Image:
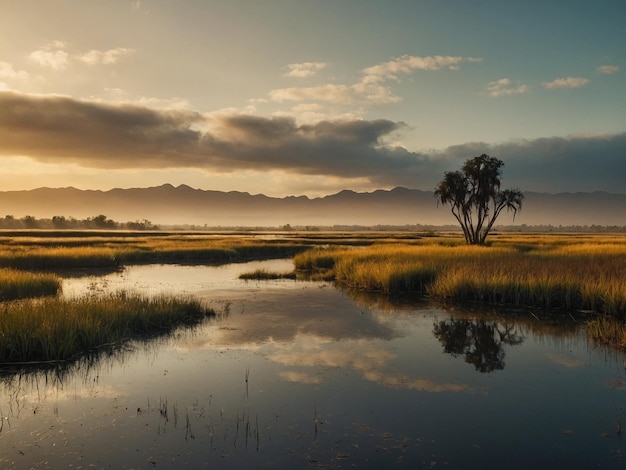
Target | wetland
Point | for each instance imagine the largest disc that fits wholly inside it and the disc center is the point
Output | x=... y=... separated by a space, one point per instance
x=300 y=373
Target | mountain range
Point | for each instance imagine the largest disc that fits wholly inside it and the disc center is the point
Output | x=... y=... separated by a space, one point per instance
x=183 y=205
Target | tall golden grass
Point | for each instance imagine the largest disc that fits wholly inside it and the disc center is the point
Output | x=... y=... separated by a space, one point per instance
x=607 y=330
x=16 y=284
x=92 y=252
x=578 y=273
x=53 y=329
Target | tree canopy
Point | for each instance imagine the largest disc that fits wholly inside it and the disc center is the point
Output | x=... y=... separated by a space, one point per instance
x=475 y=197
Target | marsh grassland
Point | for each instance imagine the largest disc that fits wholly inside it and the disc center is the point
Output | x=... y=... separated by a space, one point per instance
x=567 y=273
x=572 y=273
x=83 y=251
x=52 y=329
x=16 y=284
x=577 y=273
x=57 y=330
x=127 y=365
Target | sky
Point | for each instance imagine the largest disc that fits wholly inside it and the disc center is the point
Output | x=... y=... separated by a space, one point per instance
x=310 y=97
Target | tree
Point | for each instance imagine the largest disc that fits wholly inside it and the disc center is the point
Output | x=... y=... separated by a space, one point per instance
x=475 y=196
x=59 y=221
x=481 y=342
x=29 y=221
x=101 y=221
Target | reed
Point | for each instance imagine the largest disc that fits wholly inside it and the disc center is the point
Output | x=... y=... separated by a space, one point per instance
x=53 y=329
x=16 y=284
x=26 y=257
x=265 y=275
x=579 y=273
x=607 y=330
x=91 y=252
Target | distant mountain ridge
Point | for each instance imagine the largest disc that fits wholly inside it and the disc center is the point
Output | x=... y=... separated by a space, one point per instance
x=169 y=205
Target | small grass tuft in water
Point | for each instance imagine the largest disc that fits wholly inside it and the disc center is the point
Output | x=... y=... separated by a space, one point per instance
x=265 y=275
x=54 y=329
x=607 y=330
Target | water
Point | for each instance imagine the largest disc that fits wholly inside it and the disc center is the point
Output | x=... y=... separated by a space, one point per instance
x=303 y=375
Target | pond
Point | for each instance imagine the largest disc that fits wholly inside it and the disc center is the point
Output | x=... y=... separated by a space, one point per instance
x=296 y=374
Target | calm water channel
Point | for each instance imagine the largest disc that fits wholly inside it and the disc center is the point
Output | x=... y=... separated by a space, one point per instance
x=304 y=375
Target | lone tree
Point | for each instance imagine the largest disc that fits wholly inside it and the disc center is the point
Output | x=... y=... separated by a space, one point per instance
x=475 y=197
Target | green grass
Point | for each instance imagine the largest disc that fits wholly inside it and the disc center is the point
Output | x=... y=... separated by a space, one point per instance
x=54 y=329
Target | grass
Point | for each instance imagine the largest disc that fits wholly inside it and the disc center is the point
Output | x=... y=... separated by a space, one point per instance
x=85 y=251
x=571 y=273
x=607 y=330
x=51 y=329
x=577 y=273
x=16 y=284
x=265 y=275
x=54 y=329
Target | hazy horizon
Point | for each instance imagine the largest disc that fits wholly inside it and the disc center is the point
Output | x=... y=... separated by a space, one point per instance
x=169 y=205
x=308 y=98
x=286 y=196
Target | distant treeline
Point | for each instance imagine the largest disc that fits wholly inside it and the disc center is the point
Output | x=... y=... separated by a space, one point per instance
x=418 y=228
x=101 y=222
x=59 y=222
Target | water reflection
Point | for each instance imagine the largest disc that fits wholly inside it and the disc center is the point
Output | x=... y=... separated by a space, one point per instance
x=300 y=374
x=481 y=342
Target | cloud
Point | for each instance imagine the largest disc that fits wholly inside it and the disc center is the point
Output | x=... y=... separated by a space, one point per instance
x=55 y=56
x=370 y=361
x=372 y=94
x=569 y=82
x=370 y=90
x=504 y=87
x=51 y=55
x=111 y=56
x=330 y=93
x=407 y=64
x=7 y=72
x=556 y=164
x=61 y=129
x=56 y=129
x=118 y=95
x=566 y=361
x=304 y=69
x=608 y=69
x=11 y=78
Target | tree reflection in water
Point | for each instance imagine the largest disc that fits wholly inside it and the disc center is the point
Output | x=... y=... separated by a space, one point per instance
x=480 y=341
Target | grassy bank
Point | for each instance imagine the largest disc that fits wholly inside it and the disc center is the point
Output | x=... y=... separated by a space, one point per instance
x=16 y=284
x=573 y=273
x=53 y=329
x=98 y=252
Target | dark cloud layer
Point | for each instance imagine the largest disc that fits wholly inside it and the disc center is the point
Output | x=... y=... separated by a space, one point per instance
x=60 y=129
